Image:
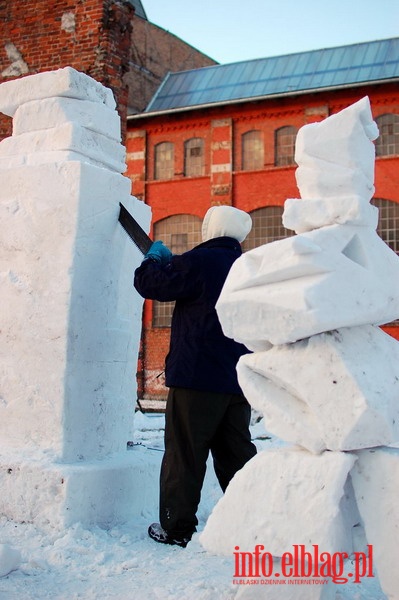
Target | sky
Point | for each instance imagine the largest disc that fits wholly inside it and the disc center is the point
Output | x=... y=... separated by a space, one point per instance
x=235 y=30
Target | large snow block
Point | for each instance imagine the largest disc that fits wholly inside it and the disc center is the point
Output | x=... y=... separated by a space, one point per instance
x=375 y=478
x=319 y=394
x=37 y=147
x=332 y=277
x=326 y=181
x=337 y=155
x=305 y=215
x=280 y=498
x=70 y=318
x=62 y=82
x=100 y=492
x=53 y=112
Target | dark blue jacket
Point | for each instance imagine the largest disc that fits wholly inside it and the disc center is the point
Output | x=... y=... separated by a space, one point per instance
x=200 y=357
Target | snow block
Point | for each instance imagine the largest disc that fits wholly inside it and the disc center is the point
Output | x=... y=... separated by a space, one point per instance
x=328 y=152
x=289 y=482
x=305 y=215
x=36 y=488
x=53 y=112
x=65 y=82
x=68 y=309
x=68 y=137
x=326 y=181
x=375 y=478
x=338 y=403
x=332 y=277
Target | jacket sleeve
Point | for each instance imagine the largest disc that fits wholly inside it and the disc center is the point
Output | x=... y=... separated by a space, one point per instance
x=179 y=279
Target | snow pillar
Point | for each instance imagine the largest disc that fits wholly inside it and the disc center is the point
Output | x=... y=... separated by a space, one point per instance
x=70 y=318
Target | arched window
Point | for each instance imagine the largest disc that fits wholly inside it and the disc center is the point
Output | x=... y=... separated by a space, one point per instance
x=194 y=159
x=179 y=233
x=252 y=151
x=388 y=141
x=284 y=146
x=164 y=161
x=267 y=227
x=388 y=222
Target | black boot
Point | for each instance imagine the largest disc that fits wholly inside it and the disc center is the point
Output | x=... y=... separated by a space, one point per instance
x=157 y=533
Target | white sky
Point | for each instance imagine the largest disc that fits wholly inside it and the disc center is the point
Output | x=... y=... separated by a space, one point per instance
x=235 y=30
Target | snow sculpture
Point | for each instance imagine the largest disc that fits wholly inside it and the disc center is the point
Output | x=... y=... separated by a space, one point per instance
x=322 y=372
x=70 y=319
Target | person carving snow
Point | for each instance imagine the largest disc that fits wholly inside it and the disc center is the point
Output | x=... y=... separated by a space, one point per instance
x=206 y=410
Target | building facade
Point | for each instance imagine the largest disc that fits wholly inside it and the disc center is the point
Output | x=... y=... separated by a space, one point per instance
x=110 y=40
x=182 y=159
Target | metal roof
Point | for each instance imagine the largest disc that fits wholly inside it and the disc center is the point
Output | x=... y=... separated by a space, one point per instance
x=279 y=75
x=139 y=9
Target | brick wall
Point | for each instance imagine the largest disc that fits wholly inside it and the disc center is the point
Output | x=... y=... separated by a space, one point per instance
x=93 y=36
x=154 y=52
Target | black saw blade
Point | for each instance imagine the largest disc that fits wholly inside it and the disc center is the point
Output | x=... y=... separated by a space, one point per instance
x=134 y=230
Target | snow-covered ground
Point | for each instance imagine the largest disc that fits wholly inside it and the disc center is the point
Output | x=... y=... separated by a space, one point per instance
x=123 y=563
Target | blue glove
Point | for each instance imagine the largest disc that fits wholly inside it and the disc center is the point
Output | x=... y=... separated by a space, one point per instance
x=159 y=252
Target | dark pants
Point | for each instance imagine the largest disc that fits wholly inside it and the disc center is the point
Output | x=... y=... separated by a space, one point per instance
x=196 y=423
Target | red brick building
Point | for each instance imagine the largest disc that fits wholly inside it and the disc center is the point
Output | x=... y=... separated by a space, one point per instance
x=110 y=40
x=226 y=134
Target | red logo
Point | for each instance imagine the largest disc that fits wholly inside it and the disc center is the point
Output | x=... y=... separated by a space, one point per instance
x=301 y=566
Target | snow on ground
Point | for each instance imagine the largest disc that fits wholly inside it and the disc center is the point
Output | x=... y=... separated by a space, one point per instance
x=123 y=563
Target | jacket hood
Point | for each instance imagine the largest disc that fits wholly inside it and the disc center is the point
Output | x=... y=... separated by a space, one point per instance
x=227 y=221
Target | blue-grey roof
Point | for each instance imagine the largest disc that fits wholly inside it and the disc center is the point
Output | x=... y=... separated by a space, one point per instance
x=279 y=75
x=139 y=9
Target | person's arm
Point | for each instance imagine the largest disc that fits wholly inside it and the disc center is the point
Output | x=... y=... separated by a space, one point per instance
x=174 y=280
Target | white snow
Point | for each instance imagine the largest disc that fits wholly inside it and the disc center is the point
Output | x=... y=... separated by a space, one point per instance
x=123 y=562
x=335 y=276
x=375 y=482
x=10 y=559
x=65 y=82
x=307 y=409
x=36 y=147
x=288 y=482
x=311 y=214
x=52 y=112
x=336 y=156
